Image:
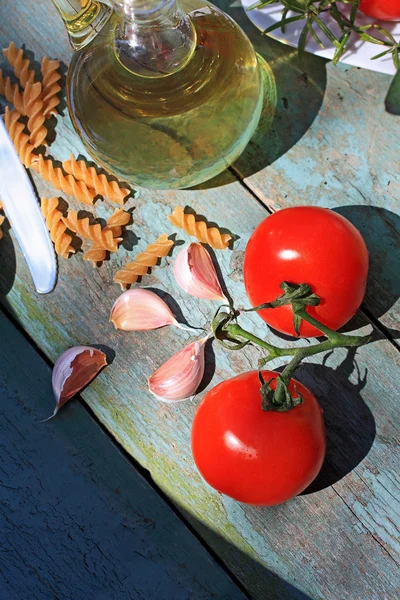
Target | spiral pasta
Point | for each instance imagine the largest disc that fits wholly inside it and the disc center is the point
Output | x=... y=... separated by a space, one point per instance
x=89 y=175
x=51 y=87
x=20 y=140
x=33 y=108
x=61 y=240
x=100 y=237
x=11 y=92
x=115 y=223
x=15 y=57
x=143 y=261
x=65 y=183
x=199 y=229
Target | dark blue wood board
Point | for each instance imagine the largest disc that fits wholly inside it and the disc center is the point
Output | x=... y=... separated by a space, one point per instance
x=76 y=519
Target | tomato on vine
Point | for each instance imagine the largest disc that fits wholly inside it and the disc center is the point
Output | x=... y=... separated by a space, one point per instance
x=261 y=457
x=312 y=245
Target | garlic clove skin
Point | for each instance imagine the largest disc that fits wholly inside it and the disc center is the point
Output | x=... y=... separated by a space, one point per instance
x=73 y=370
x=139 y=309
x=179 y=377
x=195 y=273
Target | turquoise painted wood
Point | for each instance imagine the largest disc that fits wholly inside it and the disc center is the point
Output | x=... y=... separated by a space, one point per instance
x=77 y=519
x=341 y=539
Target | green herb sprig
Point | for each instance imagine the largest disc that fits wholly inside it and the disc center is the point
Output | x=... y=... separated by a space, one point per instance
x=310 y=11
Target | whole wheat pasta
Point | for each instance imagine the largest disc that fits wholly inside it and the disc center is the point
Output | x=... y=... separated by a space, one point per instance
x=89 y=175
x=33 y=108
x=51 y=87
x=199 y=229
x=21 y=141
x=15 y=57
x=143 y=261
x=11 y=93
x=115 y=223
x=99 y=237
x=65 y=183
x=61 y=240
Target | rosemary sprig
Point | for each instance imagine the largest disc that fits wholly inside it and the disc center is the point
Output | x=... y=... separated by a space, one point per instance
x=310 y=12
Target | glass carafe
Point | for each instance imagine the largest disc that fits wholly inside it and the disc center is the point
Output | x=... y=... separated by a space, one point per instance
x=163 y=94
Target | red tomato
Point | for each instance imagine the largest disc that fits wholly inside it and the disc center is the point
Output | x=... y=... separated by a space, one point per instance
x=253 y=456
x=307 y=244
x=386 y=10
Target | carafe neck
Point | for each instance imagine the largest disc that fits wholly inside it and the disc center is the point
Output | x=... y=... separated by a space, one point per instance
x=83 y=19
x=155 y=38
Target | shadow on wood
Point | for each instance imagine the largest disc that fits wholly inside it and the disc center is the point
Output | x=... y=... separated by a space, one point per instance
x=380 y=229
x=300 y=91
x=350 y=425
x=293 y=95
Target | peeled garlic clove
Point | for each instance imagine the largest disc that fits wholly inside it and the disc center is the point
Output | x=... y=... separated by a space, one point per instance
x=195 y=273
x=139 y=310
x=179 y=377
x=73 y=370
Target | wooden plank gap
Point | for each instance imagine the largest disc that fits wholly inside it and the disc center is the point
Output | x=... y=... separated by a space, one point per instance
x=248 y=189
x=146 y=474
x=384 y=330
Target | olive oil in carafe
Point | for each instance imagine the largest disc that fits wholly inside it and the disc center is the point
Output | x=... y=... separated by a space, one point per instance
x=168 y=131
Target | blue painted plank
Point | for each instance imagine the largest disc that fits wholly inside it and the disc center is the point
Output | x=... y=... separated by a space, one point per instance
x=76 y=519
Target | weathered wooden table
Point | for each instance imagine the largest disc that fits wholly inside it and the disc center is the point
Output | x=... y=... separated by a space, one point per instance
x=330 y=144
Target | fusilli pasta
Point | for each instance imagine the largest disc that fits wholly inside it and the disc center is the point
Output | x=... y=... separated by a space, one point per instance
x=100 y=237
x=199 y=229
x=51 y=87
x=115 y=223
x=21 y=140
x=89 y=175
x=143 y=261
x=15 y=57
x=65 y=183
x=33 y=108
x=11 y=92
x=61 y=240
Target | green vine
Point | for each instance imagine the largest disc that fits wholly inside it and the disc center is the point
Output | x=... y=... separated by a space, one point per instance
x=275 y=393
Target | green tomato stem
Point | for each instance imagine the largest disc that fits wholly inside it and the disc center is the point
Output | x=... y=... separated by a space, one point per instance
x=335 y=340
x=235 y=329
x=299 y=296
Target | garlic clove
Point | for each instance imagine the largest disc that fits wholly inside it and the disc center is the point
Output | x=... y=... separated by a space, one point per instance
x=195 y=273
x=179 y=377
x=139 y=309
x=73 y=370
